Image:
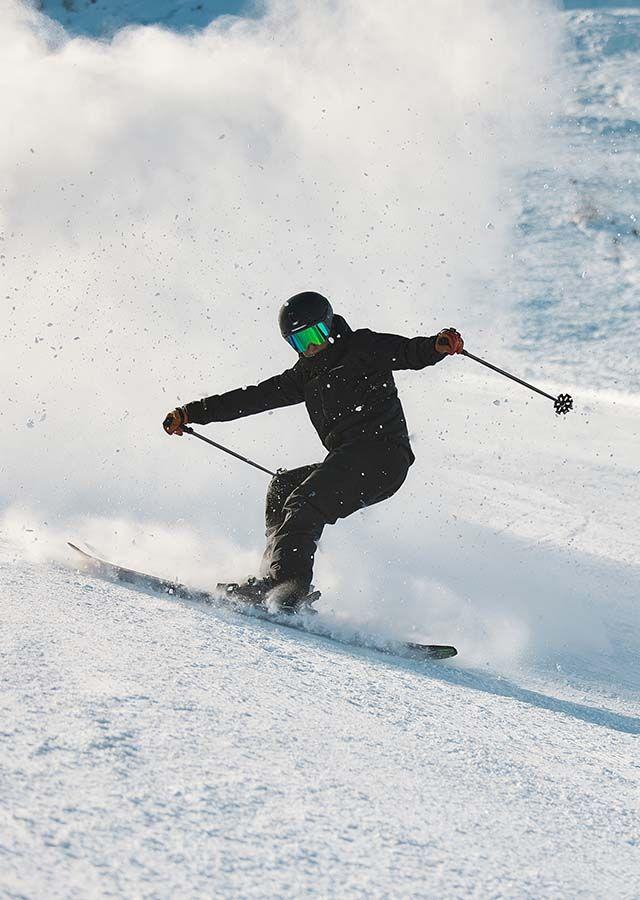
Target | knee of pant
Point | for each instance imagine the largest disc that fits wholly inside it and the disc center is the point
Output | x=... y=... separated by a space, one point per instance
x=299 y=511
x=283 y=484
x=277 y=492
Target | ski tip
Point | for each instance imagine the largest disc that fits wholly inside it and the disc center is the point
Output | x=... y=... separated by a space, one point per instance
x=79 y=549
x=444 y=652
x=433 y=651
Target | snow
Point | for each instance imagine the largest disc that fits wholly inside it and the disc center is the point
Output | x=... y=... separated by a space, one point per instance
x=157 y=748
x=99 y=18
x=161 y=190
x=580 y=246
x=161 y=748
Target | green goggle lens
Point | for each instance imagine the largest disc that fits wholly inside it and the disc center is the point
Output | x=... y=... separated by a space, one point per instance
x=303 y=339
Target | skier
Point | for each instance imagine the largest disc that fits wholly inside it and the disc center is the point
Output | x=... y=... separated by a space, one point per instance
x=345 y=378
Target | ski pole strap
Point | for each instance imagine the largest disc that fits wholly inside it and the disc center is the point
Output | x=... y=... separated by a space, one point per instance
x=562 y=403
x=244 y=459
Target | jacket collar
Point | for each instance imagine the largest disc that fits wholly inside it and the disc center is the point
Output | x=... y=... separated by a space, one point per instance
x=338 y=346
x=340 y=329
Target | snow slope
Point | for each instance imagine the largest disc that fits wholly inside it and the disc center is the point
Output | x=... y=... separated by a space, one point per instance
x=160 y=193
x=100 y=18
x=154 y=748
x=579 y=247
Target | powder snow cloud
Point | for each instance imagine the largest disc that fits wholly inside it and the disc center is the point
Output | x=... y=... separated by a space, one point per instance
x=163 y=193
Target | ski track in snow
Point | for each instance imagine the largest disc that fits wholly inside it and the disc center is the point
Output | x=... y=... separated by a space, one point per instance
x=157 y=748
x=579 y=250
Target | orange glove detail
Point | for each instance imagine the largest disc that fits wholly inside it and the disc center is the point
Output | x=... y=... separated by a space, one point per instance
x=175 y=421
x=449 y=341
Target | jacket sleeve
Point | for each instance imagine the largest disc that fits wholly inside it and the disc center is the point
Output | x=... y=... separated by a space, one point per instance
x=281 y=390
x=392 y=351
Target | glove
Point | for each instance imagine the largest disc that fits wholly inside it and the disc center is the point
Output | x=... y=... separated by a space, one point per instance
x=449 y=341
x=175 y=421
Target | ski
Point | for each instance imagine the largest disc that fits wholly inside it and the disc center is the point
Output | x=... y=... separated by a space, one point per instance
x=301 y=621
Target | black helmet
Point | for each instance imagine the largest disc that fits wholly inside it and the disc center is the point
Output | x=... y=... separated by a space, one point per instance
x=304 y=310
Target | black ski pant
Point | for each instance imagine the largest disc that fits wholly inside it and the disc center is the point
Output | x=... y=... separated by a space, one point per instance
x=300 y=502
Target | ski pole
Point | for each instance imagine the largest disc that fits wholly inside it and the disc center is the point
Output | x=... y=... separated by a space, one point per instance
x=244 y=459
x=562 y=403
x=188 y=430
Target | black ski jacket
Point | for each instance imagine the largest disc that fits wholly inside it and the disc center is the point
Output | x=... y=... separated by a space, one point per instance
x=348 y=389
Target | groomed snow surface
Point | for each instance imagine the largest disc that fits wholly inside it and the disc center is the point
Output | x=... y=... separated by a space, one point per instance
x=154 y=748
x=157 y=748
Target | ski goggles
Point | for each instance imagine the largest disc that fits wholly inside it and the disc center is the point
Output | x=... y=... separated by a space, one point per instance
x=315 y=334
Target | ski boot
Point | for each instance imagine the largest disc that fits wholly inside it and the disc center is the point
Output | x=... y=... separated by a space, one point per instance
x=289 y=597
x=285 y=597
x=253 y=591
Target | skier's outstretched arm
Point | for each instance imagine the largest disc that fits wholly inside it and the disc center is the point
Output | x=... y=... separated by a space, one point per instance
x=281 y=390
x=393 y=351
